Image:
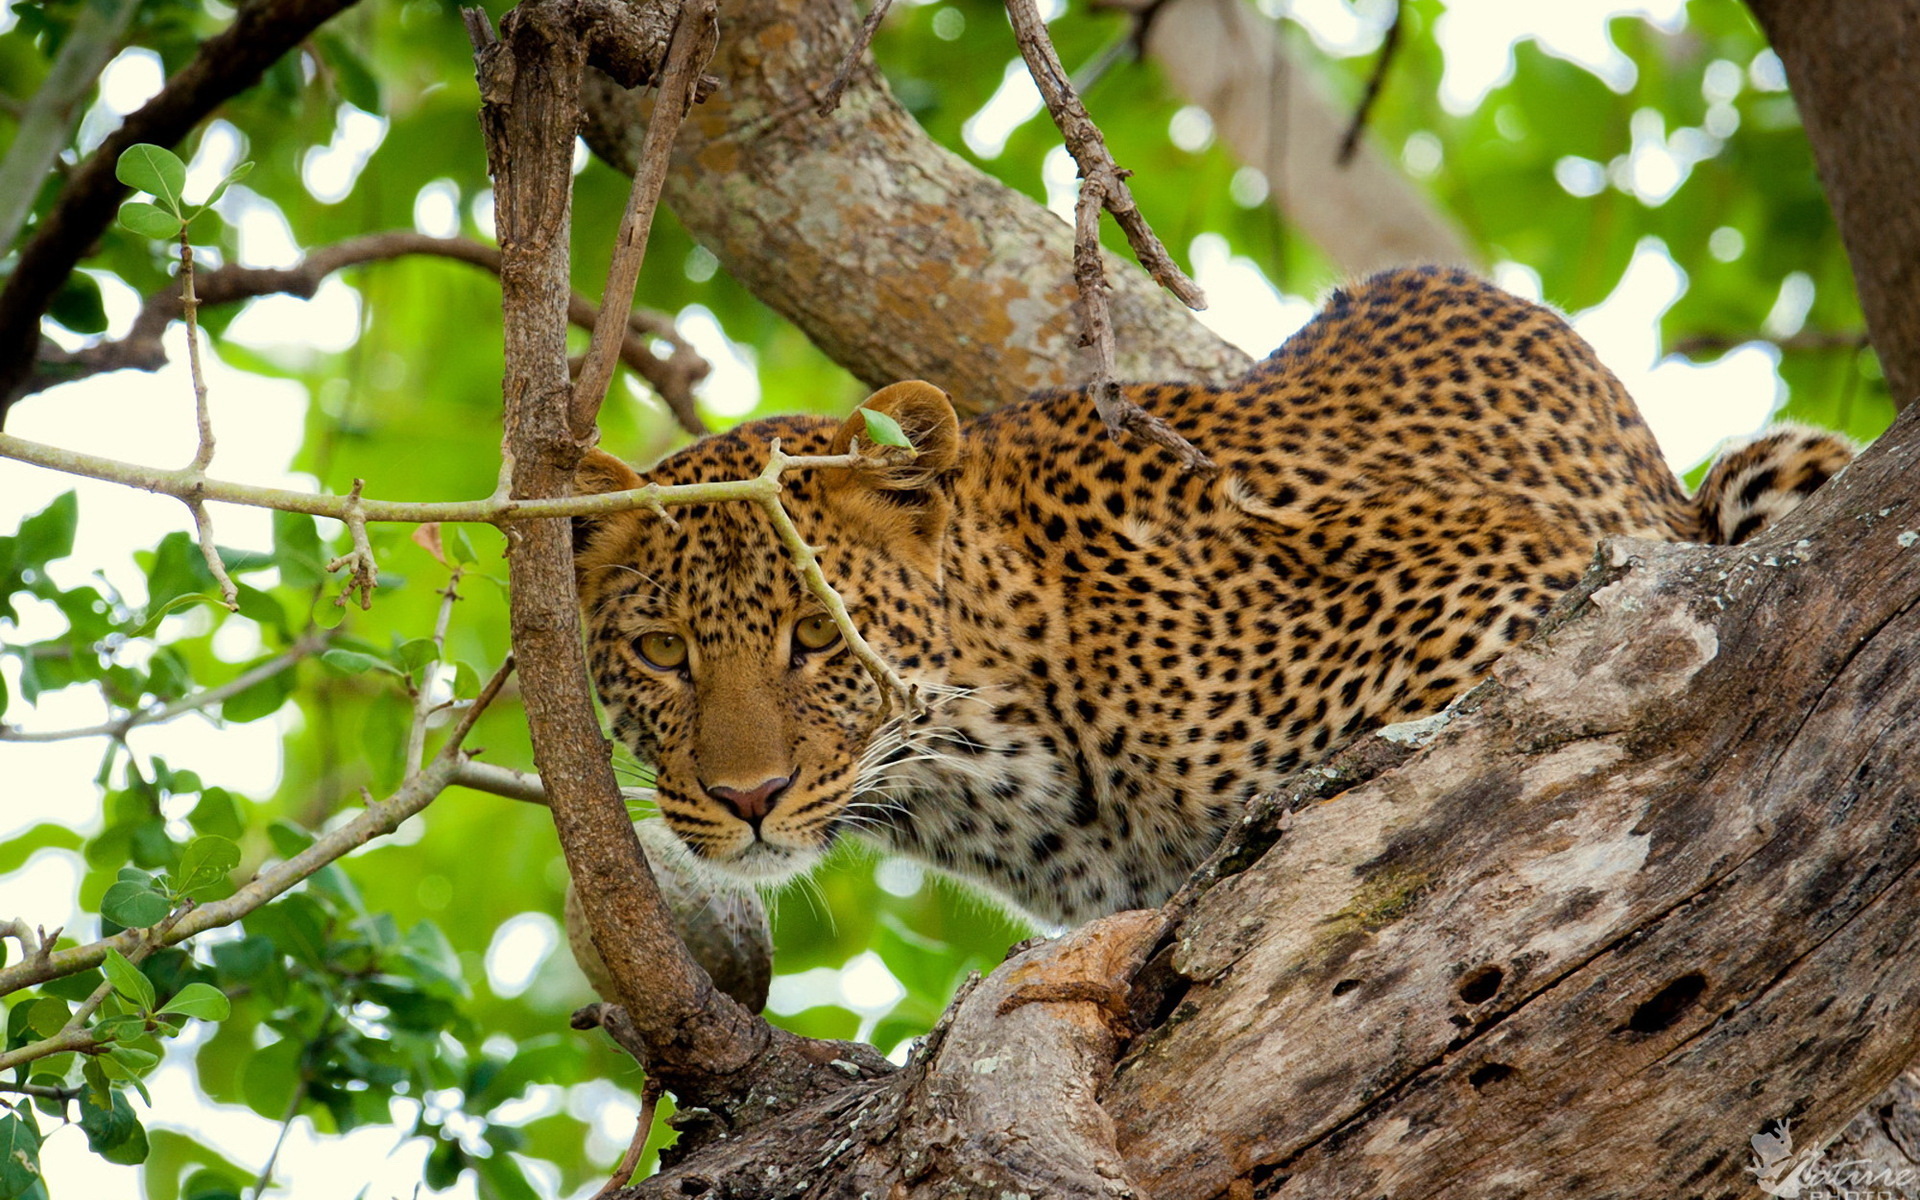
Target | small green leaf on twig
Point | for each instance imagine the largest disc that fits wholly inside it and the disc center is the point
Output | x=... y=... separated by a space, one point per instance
x=352 y=662
x=134 y=905
x=154 y=169
x=201 y=1000
x=149 y=220
x=234 y=176
x=883 y=430
x=206 y=862
x=128 y=980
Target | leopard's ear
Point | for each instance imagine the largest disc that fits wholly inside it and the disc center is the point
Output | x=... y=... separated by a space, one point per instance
x=925 y=415
x=598 y=472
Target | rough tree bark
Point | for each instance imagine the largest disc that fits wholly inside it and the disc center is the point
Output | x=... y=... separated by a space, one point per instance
x=897 y=257
x=1614 y=918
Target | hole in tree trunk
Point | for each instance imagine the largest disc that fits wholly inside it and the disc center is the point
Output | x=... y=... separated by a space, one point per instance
x=1489 y=1073
x=1345 y=986
x=1666 y=1005
x=1479 y=986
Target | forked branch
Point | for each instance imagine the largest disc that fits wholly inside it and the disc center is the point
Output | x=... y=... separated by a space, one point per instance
x=1102 y=185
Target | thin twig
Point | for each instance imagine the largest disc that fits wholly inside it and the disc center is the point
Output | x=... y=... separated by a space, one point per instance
x=423 y=706
x=1806 y=340
x=310 y=643
x=1116 y=410
x=497 y=509
x=203 y=456
x=1103 y=186
x=1375 y=81
x=190 y=311
x=363 y=574
x=694 y=38
x=265 y=1178
x=672 y=377
x=523 y=785
x=807 y=564
x=1089 y=150
x=41 y=1091
x=643 y=1127
x=376 y=820
x=875 y=15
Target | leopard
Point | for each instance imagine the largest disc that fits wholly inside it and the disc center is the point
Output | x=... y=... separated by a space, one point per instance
x=1114 y=654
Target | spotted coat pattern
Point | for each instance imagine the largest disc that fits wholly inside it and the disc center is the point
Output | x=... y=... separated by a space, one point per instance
x=1120 y=654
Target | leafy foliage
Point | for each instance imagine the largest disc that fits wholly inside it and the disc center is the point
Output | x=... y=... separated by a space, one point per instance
x=380 y=992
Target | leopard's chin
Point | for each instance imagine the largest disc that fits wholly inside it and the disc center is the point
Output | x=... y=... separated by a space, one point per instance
x=762 y=863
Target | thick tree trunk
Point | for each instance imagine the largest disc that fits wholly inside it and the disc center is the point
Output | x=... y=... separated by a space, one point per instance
x=1653 y=887
x=898 y=258
x=1855 y=73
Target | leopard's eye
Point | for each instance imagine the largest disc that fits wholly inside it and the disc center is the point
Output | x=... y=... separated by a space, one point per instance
x=668 y=651
x=816 y=632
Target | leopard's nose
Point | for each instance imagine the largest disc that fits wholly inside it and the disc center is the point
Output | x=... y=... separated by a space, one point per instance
x=750 y=804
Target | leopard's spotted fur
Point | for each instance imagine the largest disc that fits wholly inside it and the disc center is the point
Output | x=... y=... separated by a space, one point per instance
x=1120 y=653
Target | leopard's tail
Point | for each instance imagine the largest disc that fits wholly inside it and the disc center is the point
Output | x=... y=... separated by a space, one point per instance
x=1759 y=481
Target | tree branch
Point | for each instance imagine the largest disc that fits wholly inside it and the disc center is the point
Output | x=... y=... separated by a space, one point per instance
x=671 y=377
x=49 y=115
x=1842 y=62
x=309 y=644
x=706 y=1047
x=376 y=820
x=227 y=64
x=1089 y=150
x=694 y=37
x=910 y=263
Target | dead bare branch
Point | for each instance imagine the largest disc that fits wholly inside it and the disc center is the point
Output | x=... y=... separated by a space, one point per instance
x=1350 y=141
x=1116 y=411
x=228 y=63
x=1089 y=149
x=671 y=376
x=835 y=89
x=694 y=38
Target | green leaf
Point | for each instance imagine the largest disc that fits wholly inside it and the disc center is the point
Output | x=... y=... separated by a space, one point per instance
x=134 y=905
x=459 y=546
x=883 y=430
x=155 y=170
x=157 y=615
x=418 y=653
x=261 y=699
x=209 y=1184
x=234 y=176
x=15 y=851
x=113 y=1131
x=48 y=534
x=132 y=1060
x=217 y=812
x=19 y=1155
x=207 y=861
x=202 y=1001
x=352 y=662
x=48 y=1015
x=271 y=1074
x=77 y=305
x=127 y=980
x=296 y=549
x=149 y=220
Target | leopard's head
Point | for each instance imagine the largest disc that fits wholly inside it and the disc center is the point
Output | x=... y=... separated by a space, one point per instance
x=720 y=669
